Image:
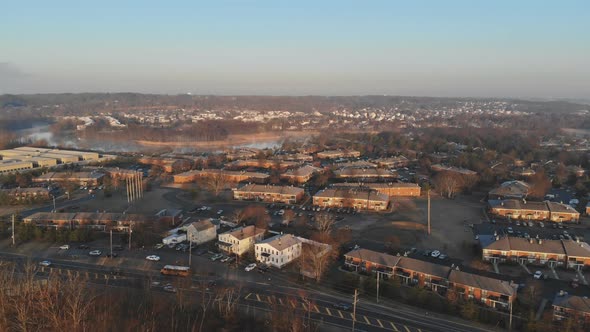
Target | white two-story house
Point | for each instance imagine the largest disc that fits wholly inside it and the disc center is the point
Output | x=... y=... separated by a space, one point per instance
x=241 y=240
x=278 y=250
x=201 y=231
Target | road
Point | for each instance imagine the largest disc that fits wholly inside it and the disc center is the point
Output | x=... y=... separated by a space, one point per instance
x=257 y=292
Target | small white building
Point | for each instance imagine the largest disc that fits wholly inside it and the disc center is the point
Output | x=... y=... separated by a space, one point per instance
x=241 y=240
x=174 y=238
x=278 y=250
x=202 y=231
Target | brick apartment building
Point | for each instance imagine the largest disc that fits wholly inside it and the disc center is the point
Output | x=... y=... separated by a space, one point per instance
x=230 y=176
x=301 y=174
x=539 y=211
x=566 y=253
x=392 y=189
x=352 y=173
x=80 y=178
x=102 y=221
x=571 y=307
x=269 y=193
x=486 y=290
x=358 y=198
x=334 y=154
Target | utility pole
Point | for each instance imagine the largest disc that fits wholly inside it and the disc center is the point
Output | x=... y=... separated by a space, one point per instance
x=13 y=238
x=111 y=243
x=378 y=274
x=130 y=232
x=428 y=211
x=510 y=321
x=190 y=252
x=354 y=308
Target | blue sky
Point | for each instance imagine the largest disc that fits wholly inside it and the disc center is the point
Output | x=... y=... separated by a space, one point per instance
x=437 y=48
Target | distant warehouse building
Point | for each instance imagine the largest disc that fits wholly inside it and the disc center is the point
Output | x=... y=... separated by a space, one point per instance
x=14 y=165
x=269 y=193
x=358 y=198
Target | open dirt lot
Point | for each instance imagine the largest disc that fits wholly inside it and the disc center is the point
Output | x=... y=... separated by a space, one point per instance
x=408 y=223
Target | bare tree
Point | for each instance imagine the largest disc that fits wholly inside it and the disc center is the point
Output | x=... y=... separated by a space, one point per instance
x=216 y=183
x=239 y=216
x=324 y=223
x=448 y=183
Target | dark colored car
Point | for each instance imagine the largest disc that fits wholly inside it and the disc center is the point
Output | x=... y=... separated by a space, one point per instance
x=262 y=268
x=113 y=255
x=83 y=246
x=341 y=306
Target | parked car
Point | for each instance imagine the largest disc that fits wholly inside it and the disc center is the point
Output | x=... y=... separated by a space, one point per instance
x=45 y=263
x=159 y=246
x=95 y=253
x=83 y=246
x=517 y=223
x=153 y=258
x=442 y=256
x=263 y=268
x=220 y=212
x=509 y=230
x=538 y=275
x=200 y=252
x=435 y=253
x=169 y=288
x=113 y=255
x=64 y=247
x=225 y=259
x=541 y=224
x=216 y=257
x=531 y=224
x=341 y=306
x=250 y=267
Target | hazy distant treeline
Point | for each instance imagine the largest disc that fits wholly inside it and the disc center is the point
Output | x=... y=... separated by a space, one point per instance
x=88 y=103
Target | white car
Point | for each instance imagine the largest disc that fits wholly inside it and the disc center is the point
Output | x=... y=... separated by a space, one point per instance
x=45 y=263
x=220 y=212
x=281 y=212
x=541 y=224
x=153 y=258
x=65 y=247
x=435 y=253
x=95 y=253
x=538 y=275
x=250 y=267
